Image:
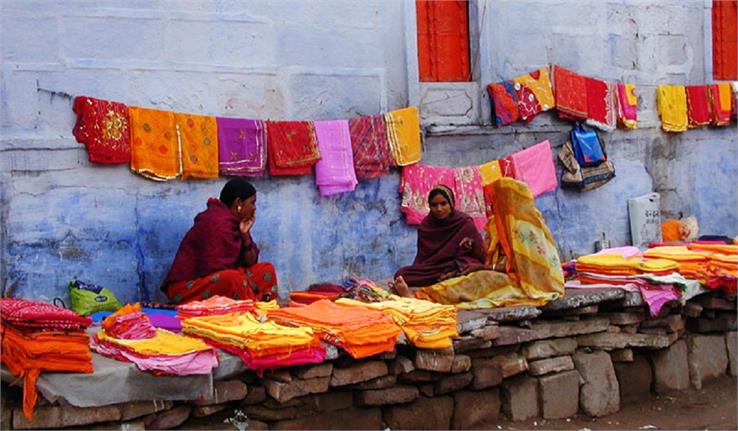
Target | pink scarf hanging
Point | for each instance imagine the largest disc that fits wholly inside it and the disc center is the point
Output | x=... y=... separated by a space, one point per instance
x=334 y=172
x=416 y=182
x=534 y=166
x=469 y=196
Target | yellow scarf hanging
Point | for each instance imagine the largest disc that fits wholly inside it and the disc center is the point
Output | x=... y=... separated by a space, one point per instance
x=403 y=132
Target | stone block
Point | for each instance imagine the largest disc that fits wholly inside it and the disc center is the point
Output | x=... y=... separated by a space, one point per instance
x=264 y=413
x=494 y=351
x=625 y=318
x=466 y=343
x=475 y=409
x=622 y=355
x=722 y=322
x=731 y=342
x=672 y=323
x=550 y=365
x=715 y=303
x=168 y=419
x=600 y=393
x=286 y=391
x=359 y=372
x=420 y=376
x=427 y=390
x=576 y=298
x=256 y=395
x=559 y=395
x=381 y=397
x=422 y=414
x=634 y=379
x=134 y=425
x=461 y=364
x=509 y=335
x=692 y=309
x=226 y=390
x=449 y=103
x=519 y=398
x=708 y=358
x=379 y=383
x=614 y=329
x=467 y=321
x=486 y=373
x=47 y=417
x=348 y=419
x=434 y=360
x=281 y=375
x=400 y=365
x=136 y=409
x=314 y=371
x=557 y=329
x=610 y=341
x=6 y=417
x=203 y=411
x=671 y=368
x=547 y=348
x=511 y=314
x=487 y=333
x=511 y=364
x=452 y=383
x=328 y=401
x=589 y=309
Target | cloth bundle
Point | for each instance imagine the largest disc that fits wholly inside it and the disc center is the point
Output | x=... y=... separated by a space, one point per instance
x=721 y=269
x=691 y=264
x=260 y=345
x=426 y=324
x=360 y=332
x=214 y=305
x=37 y=337
x=627 y=105
x=698 y=105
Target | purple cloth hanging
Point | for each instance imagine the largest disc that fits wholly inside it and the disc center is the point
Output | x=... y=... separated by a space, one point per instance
x=334 y=172
x=241 y=147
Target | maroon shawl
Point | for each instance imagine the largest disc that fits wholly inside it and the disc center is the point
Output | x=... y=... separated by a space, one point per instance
x=439 y=251
x=212 y=244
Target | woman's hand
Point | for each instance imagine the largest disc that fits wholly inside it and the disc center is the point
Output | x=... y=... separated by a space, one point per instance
x=466 y=243
x=246 y=225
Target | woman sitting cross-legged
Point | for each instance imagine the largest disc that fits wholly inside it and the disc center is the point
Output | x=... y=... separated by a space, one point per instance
x=218 y=256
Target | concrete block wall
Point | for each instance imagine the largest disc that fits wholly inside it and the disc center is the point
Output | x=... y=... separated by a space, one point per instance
x=63 y=217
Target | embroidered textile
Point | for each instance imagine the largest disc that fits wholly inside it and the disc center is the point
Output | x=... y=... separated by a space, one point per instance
x=698 y=105
x=600 y=104
x=293 y=147
x=627 y=103
x=570 y=90
x=242 y=147
x=504 y=103
x=155 y=149
x=198 y=138
x=534 y=93
x=672 y=106
x=370 y=145
x=102 y=126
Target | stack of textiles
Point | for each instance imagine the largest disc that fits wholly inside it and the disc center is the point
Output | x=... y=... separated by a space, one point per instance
x=426 y=324
x=360 y=290
x=691 y=264
x=214 y=305
x=40 y=337
x=721 y=270
x=260 y=345
x=360 y=332
x=127 y=335
x=655 y=279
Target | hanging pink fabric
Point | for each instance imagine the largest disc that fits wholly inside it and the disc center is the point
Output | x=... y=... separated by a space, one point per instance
x=469 y=196
x=534 y=166
x=334 y=172
x=415 y=183
x=627 y=105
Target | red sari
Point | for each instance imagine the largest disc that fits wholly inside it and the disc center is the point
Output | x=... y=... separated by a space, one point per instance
x=439 y=252
x=207 y=262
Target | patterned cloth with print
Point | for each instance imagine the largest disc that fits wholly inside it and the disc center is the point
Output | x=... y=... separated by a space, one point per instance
x=198 y=137
x=600 y=104
x=370 y=146
x=155 y=149
x=242 y=146
x=698 y=105
x=504 y=103
x=627 y=103
x=570 y=90
x=293 y=147
x=534 y=93
x=103 y=127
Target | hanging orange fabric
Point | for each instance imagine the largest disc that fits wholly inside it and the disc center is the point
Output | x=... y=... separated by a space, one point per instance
x=155 y=151
x=198 y=136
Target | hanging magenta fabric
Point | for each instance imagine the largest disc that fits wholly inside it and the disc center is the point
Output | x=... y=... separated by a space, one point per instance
x=103 y=127
x=370 y=145
x=627 y=103
x=534 y=166
x=469 y=195
x=698 y=108
x=416 y=182
x=600 y=104
x=334 y=172
x=504 y=103
x=242 y=147
x=293 y=147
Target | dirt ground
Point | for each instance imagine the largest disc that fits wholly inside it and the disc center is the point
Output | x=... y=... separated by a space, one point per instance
x=711 y=408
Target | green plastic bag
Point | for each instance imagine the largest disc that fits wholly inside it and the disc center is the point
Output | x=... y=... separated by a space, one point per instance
x=90 y=298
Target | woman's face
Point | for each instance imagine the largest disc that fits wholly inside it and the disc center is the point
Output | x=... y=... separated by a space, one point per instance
x=247 y=208
x=440 y=208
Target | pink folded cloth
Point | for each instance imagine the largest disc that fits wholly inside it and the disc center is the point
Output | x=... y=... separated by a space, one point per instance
x=534 y=166
x=627 y=251
x=334 y=172
x=201 y=362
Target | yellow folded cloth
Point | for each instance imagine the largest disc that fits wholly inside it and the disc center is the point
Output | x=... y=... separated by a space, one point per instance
x=403 y=133
x=164 y=343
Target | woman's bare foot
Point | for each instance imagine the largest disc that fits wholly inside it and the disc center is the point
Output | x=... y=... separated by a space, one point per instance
x=402 y=289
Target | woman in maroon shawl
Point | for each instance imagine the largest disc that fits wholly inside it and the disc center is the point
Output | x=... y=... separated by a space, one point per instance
x=449 y=245
x=218 y=256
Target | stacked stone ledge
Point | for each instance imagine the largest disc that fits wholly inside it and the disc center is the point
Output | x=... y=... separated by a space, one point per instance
x=588 y=354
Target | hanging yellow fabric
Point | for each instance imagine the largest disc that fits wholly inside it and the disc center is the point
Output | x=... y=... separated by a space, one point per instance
x=403 y=132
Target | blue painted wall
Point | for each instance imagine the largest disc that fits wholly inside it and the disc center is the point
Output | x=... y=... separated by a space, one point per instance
x=62 y=217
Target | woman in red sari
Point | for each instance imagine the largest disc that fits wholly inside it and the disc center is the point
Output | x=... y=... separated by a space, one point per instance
x=449 y=245
x=218 y=256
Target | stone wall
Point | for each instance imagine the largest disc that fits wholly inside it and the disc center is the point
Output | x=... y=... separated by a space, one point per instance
x=590 y=353
x=62 y=217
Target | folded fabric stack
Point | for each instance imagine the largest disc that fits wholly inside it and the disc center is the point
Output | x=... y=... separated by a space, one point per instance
x=40 y=337
x=617 y=264
x=426 y=324
x=127 y=335
x=260 y=345
x=722 y=265
x=691 y=264
x=215 y=305
x=360 y=332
